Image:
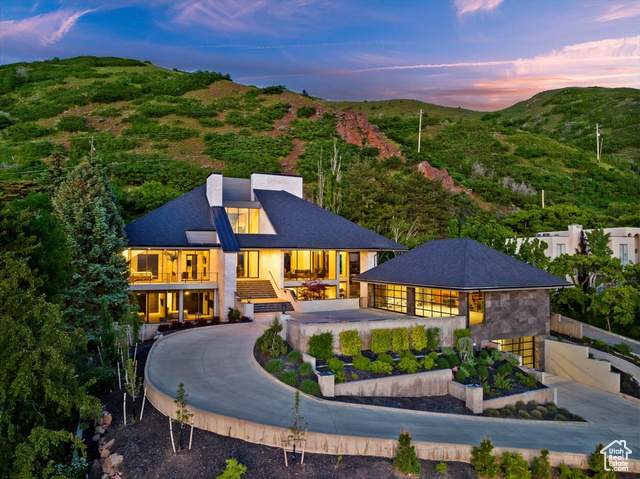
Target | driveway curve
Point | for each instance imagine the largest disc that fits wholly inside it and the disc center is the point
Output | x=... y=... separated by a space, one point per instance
x=216 y=367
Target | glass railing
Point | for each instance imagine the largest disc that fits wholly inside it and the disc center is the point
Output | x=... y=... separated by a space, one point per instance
x=306 y=274
x=148 y=277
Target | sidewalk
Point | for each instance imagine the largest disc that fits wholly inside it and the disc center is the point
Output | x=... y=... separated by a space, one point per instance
x=216 y=367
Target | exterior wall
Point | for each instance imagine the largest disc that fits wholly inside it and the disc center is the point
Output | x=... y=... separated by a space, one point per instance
x=563 y=325
x=325 y=305
x=227 y=282
x=368 y=260
x=263 y=181
x=298 y=334
x=266 y=228
x=572 y=362
x=271 y=262
x=428 y=383
x=513 y=314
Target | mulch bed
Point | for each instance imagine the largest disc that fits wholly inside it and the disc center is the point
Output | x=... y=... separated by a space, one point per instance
x=442 y=404
x=146 y=447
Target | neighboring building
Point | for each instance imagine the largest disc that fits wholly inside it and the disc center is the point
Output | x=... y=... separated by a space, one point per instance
x=624 y=242
x=255 y=239
x=503 y=299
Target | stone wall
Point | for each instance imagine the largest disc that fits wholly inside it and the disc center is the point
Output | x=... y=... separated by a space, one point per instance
x=427 y=383
x=513 y=314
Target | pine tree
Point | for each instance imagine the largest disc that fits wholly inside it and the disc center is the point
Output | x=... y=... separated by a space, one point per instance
x=87 y=208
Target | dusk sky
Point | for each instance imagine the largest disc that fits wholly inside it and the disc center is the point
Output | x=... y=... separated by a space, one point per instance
x=479 y=54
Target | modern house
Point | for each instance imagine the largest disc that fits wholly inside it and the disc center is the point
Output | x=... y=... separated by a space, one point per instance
x=503 y=300
x=234 y=242
x=623 y=241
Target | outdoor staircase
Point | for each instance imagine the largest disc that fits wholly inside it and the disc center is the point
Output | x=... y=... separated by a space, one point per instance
x=261 y=293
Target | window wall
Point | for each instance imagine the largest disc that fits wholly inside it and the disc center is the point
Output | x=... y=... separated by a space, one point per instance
x=476 y=308
x=168 y=266
x=161 y=306
x=304 y=294
x=433 y=303
x=248 y=264
x=244 y=220
x=390 y=297
x=522 y=346
x=306 y=265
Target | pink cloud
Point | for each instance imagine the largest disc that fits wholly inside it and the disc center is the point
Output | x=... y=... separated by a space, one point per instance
x=472 y=6
x=46 y=28
x=620 y=12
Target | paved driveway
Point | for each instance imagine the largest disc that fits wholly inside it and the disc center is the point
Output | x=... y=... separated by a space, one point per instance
x=216 y=367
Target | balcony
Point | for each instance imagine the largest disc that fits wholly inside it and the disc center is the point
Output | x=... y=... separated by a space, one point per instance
x=149 y=277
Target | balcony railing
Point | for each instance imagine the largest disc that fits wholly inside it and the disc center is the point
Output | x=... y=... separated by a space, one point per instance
x=148 y=277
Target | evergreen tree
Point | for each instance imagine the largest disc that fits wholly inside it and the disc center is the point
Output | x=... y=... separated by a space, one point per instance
x=87 y=208
x=40 y=398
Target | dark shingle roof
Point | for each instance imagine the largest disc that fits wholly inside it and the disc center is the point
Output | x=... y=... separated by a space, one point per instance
x=166 y=226
x=461 y=264
x=301 y=224
x=227 y=238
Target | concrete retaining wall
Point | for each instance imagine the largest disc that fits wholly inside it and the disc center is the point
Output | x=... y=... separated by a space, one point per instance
x=567 y=326
x=298 y=334
x=322 y=443
x=472 y=396
x=572 y=362
x=621 y=364
x=541 y=396
x=428 y=383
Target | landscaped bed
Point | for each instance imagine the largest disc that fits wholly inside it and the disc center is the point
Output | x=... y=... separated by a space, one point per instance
x=397 y=353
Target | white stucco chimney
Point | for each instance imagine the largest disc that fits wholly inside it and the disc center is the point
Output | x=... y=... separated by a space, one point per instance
x=214 y=189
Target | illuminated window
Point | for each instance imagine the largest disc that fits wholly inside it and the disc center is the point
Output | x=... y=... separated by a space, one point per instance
x=244 y=220
x=432 y=303
x=476 y=308
x=307 y=265
x=522 y=346
x=248 y=262
x=390 y=297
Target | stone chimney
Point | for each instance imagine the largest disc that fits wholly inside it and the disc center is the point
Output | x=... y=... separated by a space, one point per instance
x=214 y=189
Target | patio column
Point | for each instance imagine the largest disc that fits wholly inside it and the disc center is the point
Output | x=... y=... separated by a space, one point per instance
x=180 y=306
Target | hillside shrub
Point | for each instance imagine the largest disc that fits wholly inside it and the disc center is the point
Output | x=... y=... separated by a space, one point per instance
x=73 y=123
x=406 y=459
x=433 y=338
x=504 y=369
x=514 y=466
x=305 y=370
x=26 y=131
x=380 y=367
x=502 y=381
x=526 y=379
x=399 y=340
x=418 y=338
x=464 y=347
x=497 y=355
x=597 y=466
x=535 y=414
x=566 y=472
x=380 y=340
x=309 y=386
x=274 y=366
x=321 y=345
x=289 y=377
x=454 y=360
x=524 y=414
x=433 y=355
x=361 y=363
x=541 y=467
x=294 y=357
x=483 y=461
x=350 y=342
x=234 y=470
x=461 y=374
x=483 y=372
x=306 y=112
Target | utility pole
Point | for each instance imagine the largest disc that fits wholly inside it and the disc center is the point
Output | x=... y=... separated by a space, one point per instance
x=598 y=143
x=420 y=131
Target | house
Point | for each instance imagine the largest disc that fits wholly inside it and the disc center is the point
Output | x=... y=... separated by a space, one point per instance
x=623 y=241
x=250 y=243
x=503 y=300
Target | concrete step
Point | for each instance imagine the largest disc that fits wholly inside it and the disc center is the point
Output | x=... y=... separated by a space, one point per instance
x=255 y=288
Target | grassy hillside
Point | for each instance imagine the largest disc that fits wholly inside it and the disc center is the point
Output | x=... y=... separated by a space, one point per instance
x=160 y=132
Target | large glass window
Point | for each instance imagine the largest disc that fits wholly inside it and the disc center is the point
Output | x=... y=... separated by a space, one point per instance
x=306 y=294
x=476 y=308
x=306 y=265
x=195 y=265
x=198 y=304
x=561 y=249
x=157 y=306
x=390 y=297
x=433 y=303
x=167 y=266
x=244 y=220
x=624 y=254
x=248 y=262
x=522 y=346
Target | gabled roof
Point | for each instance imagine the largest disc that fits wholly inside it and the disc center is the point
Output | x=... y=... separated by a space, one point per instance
x=166 y=225
x=461 y=264
x=303 y=225
x=298 y=223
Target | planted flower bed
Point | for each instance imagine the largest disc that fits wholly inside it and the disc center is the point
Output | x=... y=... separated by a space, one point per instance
x=533 y=410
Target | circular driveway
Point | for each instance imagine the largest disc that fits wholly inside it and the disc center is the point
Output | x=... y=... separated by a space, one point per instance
x=215 y=364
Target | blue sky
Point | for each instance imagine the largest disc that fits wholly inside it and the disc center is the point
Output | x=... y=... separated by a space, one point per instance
x=480 y=54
